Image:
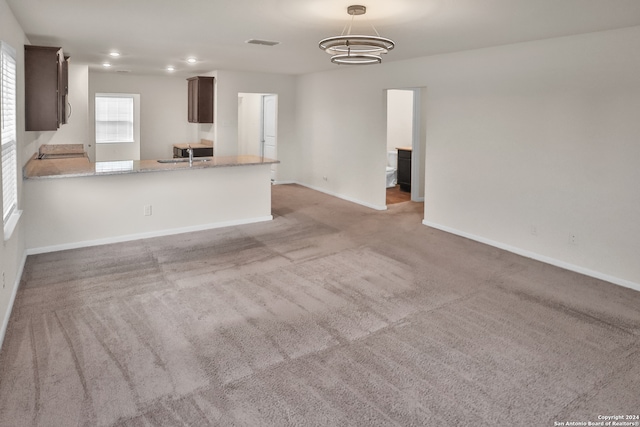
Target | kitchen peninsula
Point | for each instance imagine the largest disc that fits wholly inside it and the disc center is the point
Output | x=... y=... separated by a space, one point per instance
x=71 y=202
x=81 y=166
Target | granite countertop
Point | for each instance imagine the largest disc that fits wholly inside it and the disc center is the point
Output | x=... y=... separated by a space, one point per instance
x=61 y=149
x=81 y=166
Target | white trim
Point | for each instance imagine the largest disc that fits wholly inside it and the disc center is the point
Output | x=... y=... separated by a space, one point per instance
x=9 y=135
x=12 y=299
x=347 y=198
x=138 y=236
x=547 y=260
x=416 y=152
x=11 y=224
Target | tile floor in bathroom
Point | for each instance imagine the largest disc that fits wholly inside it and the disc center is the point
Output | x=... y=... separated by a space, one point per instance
x=396 y=195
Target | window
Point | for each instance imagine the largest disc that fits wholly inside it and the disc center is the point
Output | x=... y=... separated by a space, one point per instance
x=114 y=166
x=114 y=118
x=8 y=130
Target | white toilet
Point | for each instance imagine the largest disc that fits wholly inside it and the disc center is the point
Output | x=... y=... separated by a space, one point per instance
x=392 y=167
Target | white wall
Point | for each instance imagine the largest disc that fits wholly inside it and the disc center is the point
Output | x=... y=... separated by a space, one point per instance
x=225 y=129
x=163 y=109
x=341 y=127
x=540 y=134
x=12 y=248
x=117 y=151
x=101 y=209
x=399 y=118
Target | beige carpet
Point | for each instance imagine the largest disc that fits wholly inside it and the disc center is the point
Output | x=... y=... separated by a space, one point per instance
x=332 y=314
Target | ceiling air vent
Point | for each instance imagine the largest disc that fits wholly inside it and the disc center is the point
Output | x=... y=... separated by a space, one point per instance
x=262 y=42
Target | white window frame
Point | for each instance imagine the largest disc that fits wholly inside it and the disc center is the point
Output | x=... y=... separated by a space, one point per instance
x=130 y=136
x=8 y=138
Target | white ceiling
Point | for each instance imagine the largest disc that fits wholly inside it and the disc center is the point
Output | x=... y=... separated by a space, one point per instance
x=152 y=34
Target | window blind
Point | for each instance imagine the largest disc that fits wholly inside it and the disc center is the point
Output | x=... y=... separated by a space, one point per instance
x=114 y=119
x=8 y=130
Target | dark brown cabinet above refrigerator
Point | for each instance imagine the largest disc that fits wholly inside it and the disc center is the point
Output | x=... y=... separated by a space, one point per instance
x=200 y=107
x=46 y=87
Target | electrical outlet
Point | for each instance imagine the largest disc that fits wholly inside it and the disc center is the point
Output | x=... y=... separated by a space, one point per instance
x=325 y=178
x=147 y=210
x=573 y=240
x=3 y=281
x=534 y=230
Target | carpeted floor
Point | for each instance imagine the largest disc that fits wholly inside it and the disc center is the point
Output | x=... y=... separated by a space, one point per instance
x=332 y=314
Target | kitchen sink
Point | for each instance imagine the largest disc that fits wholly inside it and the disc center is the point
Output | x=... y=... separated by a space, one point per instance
x=183 y=160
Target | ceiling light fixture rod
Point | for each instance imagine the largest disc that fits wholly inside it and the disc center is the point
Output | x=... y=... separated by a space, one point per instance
x=353 y=11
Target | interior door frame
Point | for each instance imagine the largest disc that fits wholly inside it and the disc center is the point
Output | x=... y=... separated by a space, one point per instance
x=263 y=141
x=418 y=140
x=417 y=155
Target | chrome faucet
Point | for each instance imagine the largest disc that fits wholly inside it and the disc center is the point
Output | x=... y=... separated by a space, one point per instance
x=190 y=151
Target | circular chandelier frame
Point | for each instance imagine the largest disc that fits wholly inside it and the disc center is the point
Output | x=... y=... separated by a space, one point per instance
x=354 y=49
x=355 y=59
x=359 y=43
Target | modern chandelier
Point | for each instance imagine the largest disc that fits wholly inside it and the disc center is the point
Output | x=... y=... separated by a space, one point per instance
x=356 y=49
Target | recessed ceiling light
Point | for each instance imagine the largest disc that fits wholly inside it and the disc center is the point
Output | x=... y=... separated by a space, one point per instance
x=114 y=54
x=106 y=64
x=170 y=68
x=192 y=60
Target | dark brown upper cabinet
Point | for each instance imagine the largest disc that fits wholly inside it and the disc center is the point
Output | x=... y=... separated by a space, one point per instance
x=46 y=87
x=200 y=107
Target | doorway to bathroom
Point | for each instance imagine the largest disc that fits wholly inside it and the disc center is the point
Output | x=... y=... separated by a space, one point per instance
x=258 y=126
x=405 y=136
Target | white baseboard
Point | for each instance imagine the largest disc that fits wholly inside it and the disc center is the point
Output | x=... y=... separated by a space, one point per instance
x=12 y=299
x=538 y=257
x=137 y=236
x=343 y=197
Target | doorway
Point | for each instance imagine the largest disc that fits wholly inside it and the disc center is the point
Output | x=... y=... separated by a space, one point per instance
x=258 y=126
x=405 y=145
